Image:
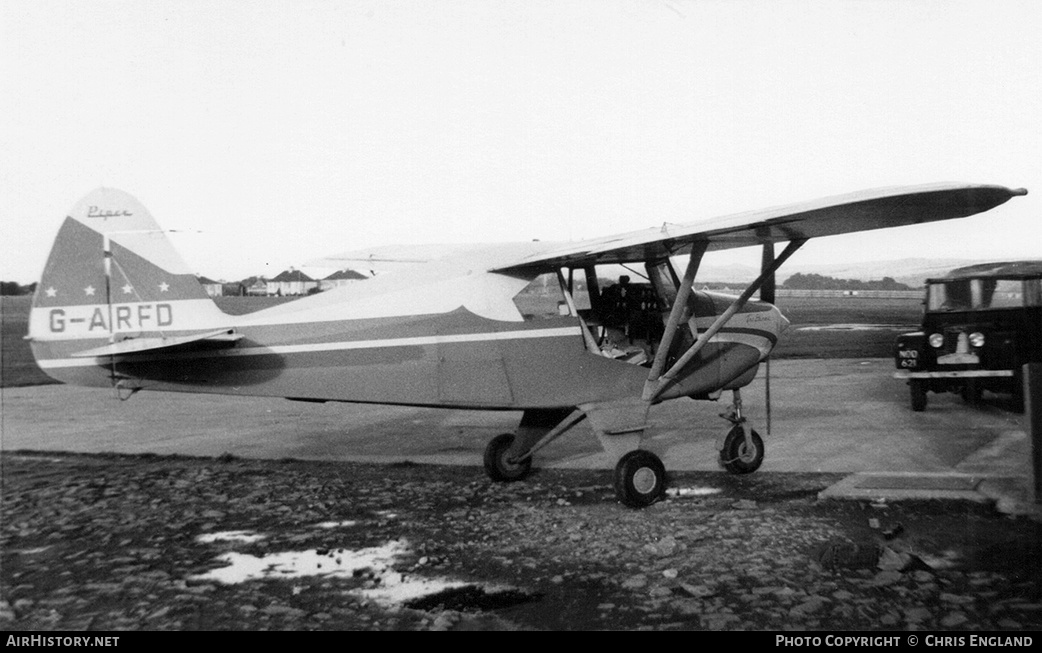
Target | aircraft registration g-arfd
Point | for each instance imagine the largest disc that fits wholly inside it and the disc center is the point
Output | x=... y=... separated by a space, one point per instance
x=499 y=327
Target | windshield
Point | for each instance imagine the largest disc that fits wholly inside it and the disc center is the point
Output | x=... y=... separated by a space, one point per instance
x=976 y=294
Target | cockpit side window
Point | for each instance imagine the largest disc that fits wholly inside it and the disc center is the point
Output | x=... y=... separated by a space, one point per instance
x=542 y=299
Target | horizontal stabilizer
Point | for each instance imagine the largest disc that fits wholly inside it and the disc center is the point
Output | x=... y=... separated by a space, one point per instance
x=226 y=337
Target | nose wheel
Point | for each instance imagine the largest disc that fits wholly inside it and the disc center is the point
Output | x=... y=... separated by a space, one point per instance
x=742 y=449
x=640 y=479
x=741 y=454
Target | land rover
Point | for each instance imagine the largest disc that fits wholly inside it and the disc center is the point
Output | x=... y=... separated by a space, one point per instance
x=980 y=325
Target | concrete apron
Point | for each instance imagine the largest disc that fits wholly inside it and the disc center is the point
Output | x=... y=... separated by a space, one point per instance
x=828 y=415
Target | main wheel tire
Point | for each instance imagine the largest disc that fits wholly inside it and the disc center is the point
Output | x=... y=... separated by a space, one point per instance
x=917 y=391
x=498 y=466
x=640 y=479
x=737 y=456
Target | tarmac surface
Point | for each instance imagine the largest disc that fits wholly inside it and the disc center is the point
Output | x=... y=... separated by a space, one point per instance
x=844 y=416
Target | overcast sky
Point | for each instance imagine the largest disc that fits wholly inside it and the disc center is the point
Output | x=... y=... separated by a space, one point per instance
x=288 y=130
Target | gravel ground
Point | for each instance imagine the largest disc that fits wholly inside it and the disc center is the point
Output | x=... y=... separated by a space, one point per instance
x=106 y=542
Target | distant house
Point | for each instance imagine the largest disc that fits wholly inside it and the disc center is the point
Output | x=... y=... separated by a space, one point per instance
x=341 y=278
x=212 y=288
x=254 y=286
x=291 y=282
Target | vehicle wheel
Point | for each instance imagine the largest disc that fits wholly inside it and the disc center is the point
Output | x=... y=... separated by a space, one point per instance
x=737 y=456
x=496 y=464
x=640 y=479
x=918 y=393
x=971 y=392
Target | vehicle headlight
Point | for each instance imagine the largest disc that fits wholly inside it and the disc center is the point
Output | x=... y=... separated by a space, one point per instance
x=977 y=339
x=936 y=340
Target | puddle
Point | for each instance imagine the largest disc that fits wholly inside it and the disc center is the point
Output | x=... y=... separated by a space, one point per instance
x=383 y=584
x=336 y=524
x=692 y=491
x=396 y=588
x=336 y=563
x=373 y=567
x=246 y=537
x=471 y=597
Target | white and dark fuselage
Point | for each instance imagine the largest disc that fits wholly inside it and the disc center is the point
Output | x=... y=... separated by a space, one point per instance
x=116 y=305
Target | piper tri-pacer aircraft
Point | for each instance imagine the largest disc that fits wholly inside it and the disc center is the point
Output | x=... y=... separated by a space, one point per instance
x=456 y=328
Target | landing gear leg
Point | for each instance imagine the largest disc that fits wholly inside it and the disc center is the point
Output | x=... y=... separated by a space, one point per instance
x=742 y=449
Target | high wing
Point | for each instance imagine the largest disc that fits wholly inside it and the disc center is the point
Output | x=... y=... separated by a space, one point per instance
x=841 y=214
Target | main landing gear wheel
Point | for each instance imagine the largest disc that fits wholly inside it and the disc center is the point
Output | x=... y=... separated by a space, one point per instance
x=917 y=391
x=640 y=479
x=741 y=457
x=497 y=463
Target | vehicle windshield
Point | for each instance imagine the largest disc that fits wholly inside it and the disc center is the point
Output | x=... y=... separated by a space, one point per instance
x=977 y=294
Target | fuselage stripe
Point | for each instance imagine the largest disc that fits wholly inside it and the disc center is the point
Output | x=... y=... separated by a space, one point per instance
x=725 y=335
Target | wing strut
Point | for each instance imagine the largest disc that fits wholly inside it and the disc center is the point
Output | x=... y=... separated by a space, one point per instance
x=656 y=384
x=767 y=294
x=676 y=313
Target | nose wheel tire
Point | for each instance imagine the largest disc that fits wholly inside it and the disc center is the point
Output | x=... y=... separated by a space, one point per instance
x=640 y=479
x=741 y=457
x=498 y=465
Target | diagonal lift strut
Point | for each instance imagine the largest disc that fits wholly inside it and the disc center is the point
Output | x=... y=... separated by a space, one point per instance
x=658 y=380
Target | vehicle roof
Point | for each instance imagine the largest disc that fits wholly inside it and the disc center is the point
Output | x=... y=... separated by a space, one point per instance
x=1005 y=269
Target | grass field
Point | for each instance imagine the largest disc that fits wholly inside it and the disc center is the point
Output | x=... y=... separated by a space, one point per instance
x=802 y=312
x=17 y=367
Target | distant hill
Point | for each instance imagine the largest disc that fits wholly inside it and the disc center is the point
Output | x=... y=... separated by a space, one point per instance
x=910 y=271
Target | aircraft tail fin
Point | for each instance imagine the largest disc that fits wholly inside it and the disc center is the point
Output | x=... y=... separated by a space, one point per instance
x=112 y=275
